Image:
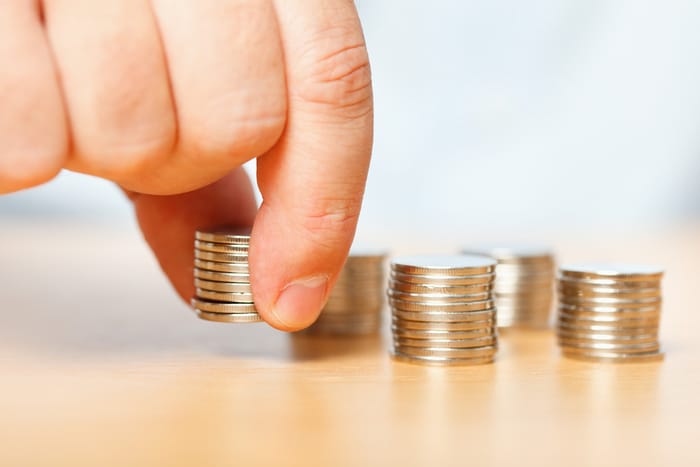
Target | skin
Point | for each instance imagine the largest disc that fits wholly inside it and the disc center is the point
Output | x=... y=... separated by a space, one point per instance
x=168 y=99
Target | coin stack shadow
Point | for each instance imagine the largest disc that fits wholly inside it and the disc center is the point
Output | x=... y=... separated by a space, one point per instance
x=524 y=284
x=221 y=276
x=355 y=305
x=610 y=312
x=443 y=310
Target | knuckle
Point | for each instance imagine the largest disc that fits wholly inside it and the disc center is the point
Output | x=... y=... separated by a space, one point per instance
x=338 y=75
x=330 y=220
x=122 y=157
x=28 y=168
x=239 y=127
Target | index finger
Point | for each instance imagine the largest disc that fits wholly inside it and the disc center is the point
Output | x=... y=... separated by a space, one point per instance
x=312 y=181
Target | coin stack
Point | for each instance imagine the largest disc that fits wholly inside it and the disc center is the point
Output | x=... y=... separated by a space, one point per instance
x=524 y=284
x=356 y=302
x=610 y=312
x=443 y=310
x=221 y=277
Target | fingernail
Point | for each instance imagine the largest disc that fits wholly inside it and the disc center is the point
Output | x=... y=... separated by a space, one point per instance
x=300 y=302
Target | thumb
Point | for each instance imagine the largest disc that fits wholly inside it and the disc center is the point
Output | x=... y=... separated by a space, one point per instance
x=312 y=181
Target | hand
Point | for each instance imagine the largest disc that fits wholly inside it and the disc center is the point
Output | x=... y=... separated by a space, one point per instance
x=168 y=98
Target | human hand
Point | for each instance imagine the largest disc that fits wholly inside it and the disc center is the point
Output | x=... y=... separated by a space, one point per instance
x=169 y=98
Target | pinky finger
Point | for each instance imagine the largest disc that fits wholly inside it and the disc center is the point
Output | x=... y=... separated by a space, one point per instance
x=33 y=127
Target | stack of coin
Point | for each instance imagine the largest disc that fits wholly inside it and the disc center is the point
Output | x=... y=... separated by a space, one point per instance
x=356 y=302
x=524 y=284
x=221 y=277
x=443 y=310
x=610 y=312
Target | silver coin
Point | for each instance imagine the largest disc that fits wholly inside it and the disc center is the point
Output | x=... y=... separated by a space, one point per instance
x=611 y=321
x=610 y=301
x=220 y=247
x=441 y=306
x=224 y=234
x=628 y=272
x=445 y=343
x=213 y=307
x=222 y=276
x=236 y=268
x=442 y=280
x=442 y=335
x=221 y=257
x=606 y=330
x=439 y=289
x=615 y=314
x=608 y=282
x=573 y=337
x=229 y=317
x=440 y=361
x=604 y=291
x=447 y=317
x=453 y=326
x=484 y=351
x=607 y=346
x=614 y=357
x=222 y=286
x=229 y=297
x=448 y=265
x=442 y=298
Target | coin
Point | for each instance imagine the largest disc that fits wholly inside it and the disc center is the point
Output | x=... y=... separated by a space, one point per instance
x=442 y=298
x=233 y=297
x=484 y=351
x=212 y=307
x=445 y=343
x=441 y=306
x=437 y=289
x=234 y=268
x=221 y=247
x=218 y=276
x=572 y=345
x=454 y=326
x=440 y=361
x=609 y=338
x=225 y=234
x=222 y=286
x=221 y=257
x=614 y=357
x=485 y=331
x=446 y=317
x=443 y=280
x=628 y=272
x=448 y=265
x=609 y=320
x=229 y=317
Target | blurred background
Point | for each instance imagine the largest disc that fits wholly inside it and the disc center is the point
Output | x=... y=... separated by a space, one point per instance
x=505 y=116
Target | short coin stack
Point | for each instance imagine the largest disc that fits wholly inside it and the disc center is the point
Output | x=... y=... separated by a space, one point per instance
x=524 y=284
x=443 y=310
x=355 y=305
x=610 y=312
x=221 y=276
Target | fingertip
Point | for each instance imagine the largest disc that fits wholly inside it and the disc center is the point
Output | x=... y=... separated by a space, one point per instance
x=299 y=303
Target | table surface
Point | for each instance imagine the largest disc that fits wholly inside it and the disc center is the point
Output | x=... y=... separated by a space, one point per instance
x=100 y=364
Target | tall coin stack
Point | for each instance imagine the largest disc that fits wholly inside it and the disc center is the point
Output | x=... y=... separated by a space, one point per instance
x=356 y=302
x=443 y=310
x=524 y=284
x=610 y=312
x=221 y=276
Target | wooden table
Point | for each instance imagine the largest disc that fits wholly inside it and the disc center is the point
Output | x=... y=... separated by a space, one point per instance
x=100 y=364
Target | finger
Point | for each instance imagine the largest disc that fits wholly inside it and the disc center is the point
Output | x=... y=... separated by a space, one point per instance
x=115 y=84
x=227 y=73
x=168 y=223
x=33 y=131
x=312 y=182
